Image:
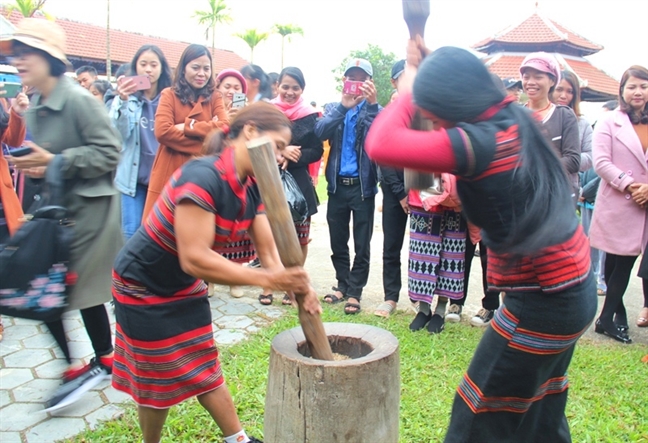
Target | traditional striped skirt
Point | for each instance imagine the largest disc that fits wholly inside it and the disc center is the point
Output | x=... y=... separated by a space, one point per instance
x=241 y=251
x=164 y=346
x=303 y=231
x=436 y=255
x=515 y=389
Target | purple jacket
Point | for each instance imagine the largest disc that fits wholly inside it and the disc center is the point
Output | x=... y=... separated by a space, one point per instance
x=619 y=225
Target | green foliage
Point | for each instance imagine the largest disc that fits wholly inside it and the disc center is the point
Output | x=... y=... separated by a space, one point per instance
x=218 y=12
x=28 y=8
x=286 y=31
x=606 y=400
x=252 y=37
x=381 y=63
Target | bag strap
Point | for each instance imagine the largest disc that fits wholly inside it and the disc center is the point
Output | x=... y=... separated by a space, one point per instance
x=54 y=180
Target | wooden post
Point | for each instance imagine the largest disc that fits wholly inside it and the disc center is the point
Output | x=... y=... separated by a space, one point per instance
x=416 y=13
x=266 y=172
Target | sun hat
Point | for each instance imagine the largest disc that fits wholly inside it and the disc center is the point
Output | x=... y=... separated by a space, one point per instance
x=233 y=73
x=359 y=63
x=39 y=34
x=543 y=62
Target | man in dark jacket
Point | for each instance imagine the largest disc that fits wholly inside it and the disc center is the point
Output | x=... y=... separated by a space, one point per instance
x=395 y=212
x=352 y=180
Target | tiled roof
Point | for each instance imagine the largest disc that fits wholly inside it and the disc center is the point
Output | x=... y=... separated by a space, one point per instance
x=538 y=30
x=593 y=80
x=88 y=41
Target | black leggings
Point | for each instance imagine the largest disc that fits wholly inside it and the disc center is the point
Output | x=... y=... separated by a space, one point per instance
x=491 y=298
x=97 y=326
x=618 y=269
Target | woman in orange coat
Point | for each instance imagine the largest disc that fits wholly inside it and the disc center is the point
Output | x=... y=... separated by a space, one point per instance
x=12 y=133
x=189 y=110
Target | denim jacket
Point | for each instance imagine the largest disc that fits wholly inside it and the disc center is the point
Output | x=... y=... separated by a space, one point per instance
x=331 y=127
x=124 y=116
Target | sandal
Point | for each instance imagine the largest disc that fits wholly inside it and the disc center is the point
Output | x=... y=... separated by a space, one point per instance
x=385 y=310
x=600 y=292
x=351 y=308
x=642 y=321
x=286 y=301
x=266 y=300
x=333 y=299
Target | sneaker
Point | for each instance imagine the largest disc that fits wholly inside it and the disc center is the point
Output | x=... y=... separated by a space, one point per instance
x=77 y=382
x=254 y=440
x=483 y=317
x=453 y=314
x=254 y=263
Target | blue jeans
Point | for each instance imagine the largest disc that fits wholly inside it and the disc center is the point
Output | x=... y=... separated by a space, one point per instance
x=132 y=210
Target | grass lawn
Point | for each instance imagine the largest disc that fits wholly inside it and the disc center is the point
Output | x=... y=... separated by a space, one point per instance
x=607 y=399
x=321 y=189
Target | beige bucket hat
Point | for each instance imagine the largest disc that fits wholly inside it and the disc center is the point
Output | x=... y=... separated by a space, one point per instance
x=40 y=34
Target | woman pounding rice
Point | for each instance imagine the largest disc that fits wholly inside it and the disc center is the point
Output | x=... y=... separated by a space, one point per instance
x=164 y=346
x=512 y=185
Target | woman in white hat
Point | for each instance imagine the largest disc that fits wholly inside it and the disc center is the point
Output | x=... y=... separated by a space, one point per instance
x=70 y=128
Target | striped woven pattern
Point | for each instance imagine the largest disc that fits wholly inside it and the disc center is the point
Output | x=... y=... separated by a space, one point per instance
x=506 y=324
x=478 y=402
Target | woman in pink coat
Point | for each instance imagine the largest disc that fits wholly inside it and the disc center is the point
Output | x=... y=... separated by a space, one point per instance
x=620 y=223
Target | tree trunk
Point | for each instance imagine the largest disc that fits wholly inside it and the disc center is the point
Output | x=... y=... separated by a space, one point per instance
x=213 y=39
x=353 y=400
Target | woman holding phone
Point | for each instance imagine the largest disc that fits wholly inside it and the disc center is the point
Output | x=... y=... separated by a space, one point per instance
x=12 y=133
x=132 y=112
x=189 y=110
x=71 y=131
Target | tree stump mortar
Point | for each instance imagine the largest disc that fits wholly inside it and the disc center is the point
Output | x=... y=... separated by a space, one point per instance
x=316 y=401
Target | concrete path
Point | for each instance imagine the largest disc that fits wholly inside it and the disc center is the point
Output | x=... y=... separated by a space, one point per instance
x=31 y=364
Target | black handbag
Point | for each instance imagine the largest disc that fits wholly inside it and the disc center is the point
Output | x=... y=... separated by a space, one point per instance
x=35 y=276
x=295 y=197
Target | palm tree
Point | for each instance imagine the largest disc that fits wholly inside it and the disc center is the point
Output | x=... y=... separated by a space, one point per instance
x=218 y=13
x=28 y=8
x=252 y=37
x=286 y=31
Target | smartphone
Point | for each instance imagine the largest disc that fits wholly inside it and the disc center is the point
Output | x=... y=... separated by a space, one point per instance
x=11 y=89
x=352 y=88
x=238 y=100
x=19 y=152
x=141 y=82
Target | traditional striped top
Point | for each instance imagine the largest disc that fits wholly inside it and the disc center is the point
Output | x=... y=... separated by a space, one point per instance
x=486 y=188
x=150 y=257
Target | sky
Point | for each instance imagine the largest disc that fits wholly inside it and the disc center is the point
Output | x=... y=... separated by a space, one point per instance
x=333 y=28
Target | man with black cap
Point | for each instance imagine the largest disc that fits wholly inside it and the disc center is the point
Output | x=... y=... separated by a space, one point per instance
x=394 y=222
x=513 y=87
x=352 y=183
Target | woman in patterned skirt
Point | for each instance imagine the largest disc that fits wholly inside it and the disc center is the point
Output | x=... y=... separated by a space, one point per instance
x=437 y=253
x=164 y=346
x=512 y=185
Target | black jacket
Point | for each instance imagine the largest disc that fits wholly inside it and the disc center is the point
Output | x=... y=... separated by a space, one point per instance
x=311 y=151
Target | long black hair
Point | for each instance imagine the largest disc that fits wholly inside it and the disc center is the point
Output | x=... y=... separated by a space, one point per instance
x=181 y=87
x=255 y=72
x=165 y=79
x=454 y=85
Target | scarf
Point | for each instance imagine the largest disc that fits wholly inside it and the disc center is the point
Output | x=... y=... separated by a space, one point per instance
x=294 y=111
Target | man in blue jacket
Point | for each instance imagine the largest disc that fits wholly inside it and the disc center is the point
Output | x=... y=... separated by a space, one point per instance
x=352 y=183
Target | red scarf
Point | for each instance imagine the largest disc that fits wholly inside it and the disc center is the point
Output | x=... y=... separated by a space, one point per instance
x=294 y=111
